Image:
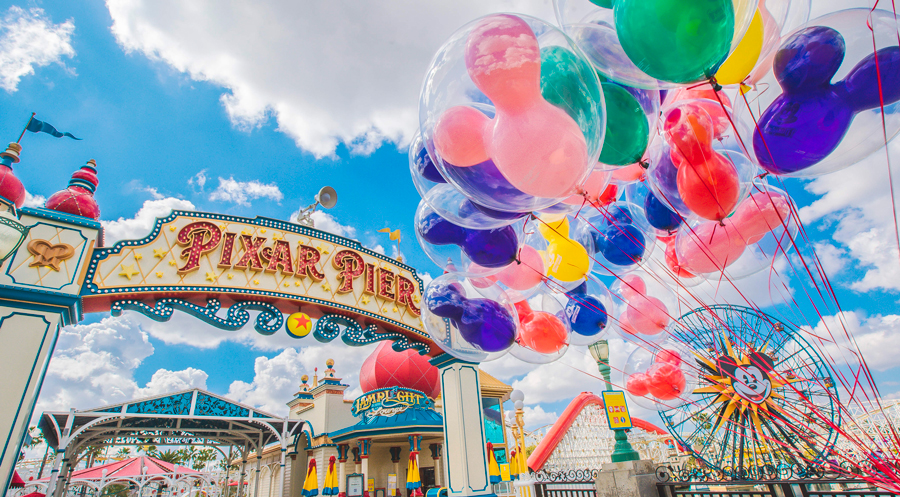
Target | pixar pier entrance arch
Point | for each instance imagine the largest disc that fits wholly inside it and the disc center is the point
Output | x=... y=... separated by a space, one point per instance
x=218 y=268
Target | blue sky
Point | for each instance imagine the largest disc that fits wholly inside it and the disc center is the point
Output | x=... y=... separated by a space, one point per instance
x=183 y=110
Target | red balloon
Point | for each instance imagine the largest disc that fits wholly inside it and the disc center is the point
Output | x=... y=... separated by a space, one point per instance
x=667 y=381
x=668 y=356
x=638 y=384
x=707 y=181
x=672 y=258
x=609 y=195
x=540 y=331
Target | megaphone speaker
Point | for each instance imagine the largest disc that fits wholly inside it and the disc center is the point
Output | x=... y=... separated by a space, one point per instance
x=327 y=197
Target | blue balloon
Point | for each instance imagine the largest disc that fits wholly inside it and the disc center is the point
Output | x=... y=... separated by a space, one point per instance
x=426 y=167
x=468 y=209
x=622 y=245
x=660 y=216
x=585 y=313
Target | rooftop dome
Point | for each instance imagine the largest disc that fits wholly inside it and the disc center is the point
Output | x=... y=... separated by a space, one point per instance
x=386 y=368
x=78 y=198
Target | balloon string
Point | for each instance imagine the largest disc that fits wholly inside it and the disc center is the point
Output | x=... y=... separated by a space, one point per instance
x=887 y=152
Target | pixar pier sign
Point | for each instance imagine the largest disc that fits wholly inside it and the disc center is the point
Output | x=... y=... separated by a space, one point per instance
x=195 y=256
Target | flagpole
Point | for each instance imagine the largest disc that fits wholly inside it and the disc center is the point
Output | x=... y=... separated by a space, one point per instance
x=26 y=127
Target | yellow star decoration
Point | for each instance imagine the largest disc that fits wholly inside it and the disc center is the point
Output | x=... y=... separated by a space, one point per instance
x=244 y=232
x=255 y=282
x=365 y=299
x=159 y=274
x=395 y=309
x=296 y=283
x=128 y=271
x=138 y=256
x=223 y=227
x=276 y=237
x=230 y=276
x=159 y=253
x=171 y=228
x=286 y=284
x=172 y=263
x=326 y=286
x=417 y=299
x=210 y=276
x=263 y=230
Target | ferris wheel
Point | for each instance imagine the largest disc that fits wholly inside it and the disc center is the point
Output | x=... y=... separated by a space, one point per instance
x=765 y=399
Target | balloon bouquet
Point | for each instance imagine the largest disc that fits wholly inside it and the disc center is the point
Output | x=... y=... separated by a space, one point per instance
x=574 y=179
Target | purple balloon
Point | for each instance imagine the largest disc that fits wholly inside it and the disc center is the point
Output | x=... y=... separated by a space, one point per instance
x=483 y=323
x=493 y=248
x=810 y=118
x=486 y=179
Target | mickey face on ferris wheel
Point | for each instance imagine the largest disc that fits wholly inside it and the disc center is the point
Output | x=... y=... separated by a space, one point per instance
x=751 y=380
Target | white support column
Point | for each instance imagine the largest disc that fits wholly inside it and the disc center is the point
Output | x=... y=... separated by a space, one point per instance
x=61 y=454
x=343 y=449
x=27 y=339
x=240 y=488
x=259 y=450
x=465 y=444
x=364 y=445
x=284 y=441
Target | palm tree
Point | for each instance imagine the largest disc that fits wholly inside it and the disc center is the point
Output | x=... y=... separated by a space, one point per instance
x=123 y=453
x=170 y=456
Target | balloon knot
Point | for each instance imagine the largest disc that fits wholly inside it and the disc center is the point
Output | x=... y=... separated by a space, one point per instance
x=644 y=163
x=722 y=223
x=764 y=174
x=715 y=84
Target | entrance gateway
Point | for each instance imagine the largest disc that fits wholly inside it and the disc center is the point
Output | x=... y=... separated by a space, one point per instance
x=217 y=268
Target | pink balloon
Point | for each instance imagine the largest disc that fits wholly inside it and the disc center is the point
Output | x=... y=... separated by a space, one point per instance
x=645 y=315
x=525 y=274
x=711 y=247
x=632 y=287
x=537 y=147
x=705 y=98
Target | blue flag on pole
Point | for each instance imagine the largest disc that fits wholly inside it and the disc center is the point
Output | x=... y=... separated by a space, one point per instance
x=36 y=126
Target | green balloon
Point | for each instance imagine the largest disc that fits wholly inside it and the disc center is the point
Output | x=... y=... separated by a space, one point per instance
x=627 y=129
x=676 y=40
x=606 y=4
x=569 y=83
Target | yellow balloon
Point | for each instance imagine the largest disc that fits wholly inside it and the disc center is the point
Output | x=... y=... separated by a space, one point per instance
x=745 y=56
x=565 y=259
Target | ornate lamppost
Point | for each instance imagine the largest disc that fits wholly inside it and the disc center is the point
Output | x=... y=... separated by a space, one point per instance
x=518 y=429
x=622 y=450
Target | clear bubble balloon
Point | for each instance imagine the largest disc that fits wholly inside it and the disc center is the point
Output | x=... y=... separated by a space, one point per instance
x=588 y=307
x=466 y=324
x=643 y=307
x=818 y=109
x=543 y=331
x=760 y=231
x=660 y=216
x=637 y=45
x=622 y=237
x=513 y=137
x=661 y=376
x=565 y=248
x=452 y=247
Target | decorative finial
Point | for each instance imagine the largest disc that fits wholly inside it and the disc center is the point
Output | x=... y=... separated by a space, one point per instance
x=304 y=378
x=78 y=198
x=329 y=362
x=10 y=187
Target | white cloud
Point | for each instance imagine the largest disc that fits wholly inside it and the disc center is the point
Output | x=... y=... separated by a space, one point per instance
x=855 y=207
x=93 y=365
x=326 y=222
x=536 y=416
x=141 y=224
x=34 y=200
x=242 y=192
x=165 y=381
x=29 y=39
x=198 y=179
x=876 y=336
x=277 y=379
x=328 y=72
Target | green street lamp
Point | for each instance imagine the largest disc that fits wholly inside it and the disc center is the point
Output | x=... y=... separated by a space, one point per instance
x=12 y=232
x=622 y=451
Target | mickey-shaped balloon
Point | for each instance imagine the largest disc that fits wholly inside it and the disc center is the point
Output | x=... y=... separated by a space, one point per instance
x=643 y=314
x=618 y=238
x=659 y=215
x=540 y=331
x=708 y=182
x=493 y=248
x=711 y=247
x=565 y=258
x=537 y=146
x=809 y=119
x=483 y=323
x=586 y=313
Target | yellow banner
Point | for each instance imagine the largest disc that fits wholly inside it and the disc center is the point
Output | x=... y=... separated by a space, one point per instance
x=617 y=410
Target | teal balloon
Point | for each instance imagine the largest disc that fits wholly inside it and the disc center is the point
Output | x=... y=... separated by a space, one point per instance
x=680 y=41
x=570 y=83
x=627 y=129
x=606 y=4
